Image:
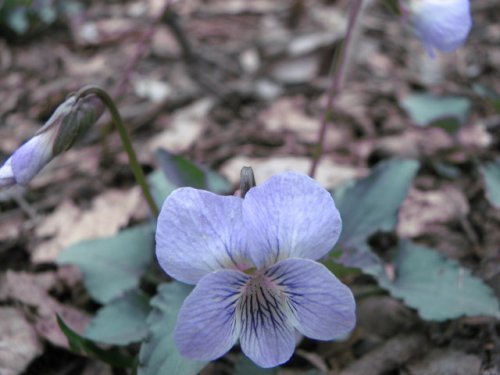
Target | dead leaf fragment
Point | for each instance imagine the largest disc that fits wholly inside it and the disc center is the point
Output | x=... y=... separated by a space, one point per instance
x=109 y=212
x=446 y=362
x=287 y=114
x=185 y=127
x=329 y=174
x=475 y=137
x=29 y=290
x=19 y=343
x=422 y=209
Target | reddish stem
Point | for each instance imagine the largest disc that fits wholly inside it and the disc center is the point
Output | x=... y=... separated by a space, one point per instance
x=142 y=48
x=337 y=78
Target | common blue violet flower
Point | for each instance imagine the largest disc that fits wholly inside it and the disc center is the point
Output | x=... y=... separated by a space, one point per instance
x=441 y=24
x=253 y=263
x=70 y=119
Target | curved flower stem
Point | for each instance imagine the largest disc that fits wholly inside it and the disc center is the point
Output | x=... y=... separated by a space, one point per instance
x=127 y=145
x=337 y=78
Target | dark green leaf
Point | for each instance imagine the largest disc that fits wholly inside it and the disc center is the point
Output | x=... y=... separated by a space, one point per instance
x=437 y=287
x=160 y=187
x=112 y=266
x=491 y=175
x=448 y=113
x=122 y=321
x=244 y=366
x=182 y=172
x=158 y=353
x=489 y=94
x=371 y=204
x=82 y=345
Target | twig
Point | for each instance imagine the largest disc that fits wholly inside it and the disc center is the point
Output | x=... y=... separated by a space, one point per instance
x=337 y=79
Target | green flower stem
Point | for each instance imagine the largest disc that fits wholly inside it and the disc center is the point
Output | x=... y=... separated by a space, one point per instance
x=127 y=144
x=337 y=79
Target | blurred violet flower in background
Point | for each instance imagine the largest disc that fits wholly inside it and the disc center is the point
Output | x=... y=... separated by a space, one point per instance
x=440 y=24
x=70 y=120
x=252 y=261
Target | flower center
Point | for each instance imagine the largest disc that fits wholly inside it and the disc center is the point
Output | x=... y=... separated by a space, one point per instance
x=262 y=302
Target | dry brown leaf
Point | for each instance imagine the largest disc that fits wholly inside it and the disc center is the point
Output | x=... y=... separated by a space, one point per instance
x=68 y=224
x=19 y=343
x=97 y=368
x=287 y=114
x=185 y=127
x=329 y=174
x=11 y=225
x=104 y=31
x=422 y=209
x=68 y=165
x=475 y=137
x=446 y=361
x=296 y=70
x=415 y=142
x=32 y=290
x=163 y=43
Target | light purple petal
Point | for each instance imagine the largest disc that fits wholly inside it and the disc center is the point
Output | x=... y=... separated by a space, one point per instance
x=323 y=307
x=206 y=325
x=441 y=24
x=31 y=157
x=290 y=215
x=267 y=335
x=199 y=232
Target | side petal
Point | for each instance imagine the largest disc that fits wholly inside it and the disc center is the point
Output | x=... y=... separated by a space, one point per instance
x=323 y=307
x=198 y=232
x=207 y=326
x=267 y=334
x=290 y=215
x=31 y=157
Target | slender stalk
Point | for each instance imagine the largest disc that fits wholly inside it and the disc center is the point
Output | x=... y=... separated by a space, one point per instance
x=127 y=144
x=337 y=78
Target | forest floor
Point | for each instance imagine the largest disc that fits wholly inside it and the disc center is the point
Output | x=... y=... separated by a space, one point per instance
x=246 y=88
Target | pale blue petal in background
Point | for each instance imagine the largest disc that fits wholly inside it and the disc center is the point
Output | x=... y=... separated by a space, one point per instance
x=441 y=24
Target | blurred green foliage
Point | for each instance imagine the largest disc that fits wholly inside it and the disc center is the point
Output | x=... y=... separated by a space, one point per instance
x=21 y=16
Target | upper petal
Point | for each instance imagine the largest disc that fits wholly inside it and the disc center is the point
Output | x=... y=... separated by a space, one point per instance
x=323 y=307
x=199 y=232
x=267 y=334
x=31 y=157
x=207 y=326
x=290 y=215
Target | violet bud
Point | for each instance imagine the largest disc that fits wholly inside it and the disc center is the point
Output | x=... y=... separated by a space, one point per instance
x=69 y=121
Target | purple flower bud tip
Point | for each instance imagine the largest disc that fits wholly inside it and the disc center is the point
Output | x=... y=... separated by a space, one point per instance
x=6 y=174
x=441 y=24
x=68 y=121
x=253 y=263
